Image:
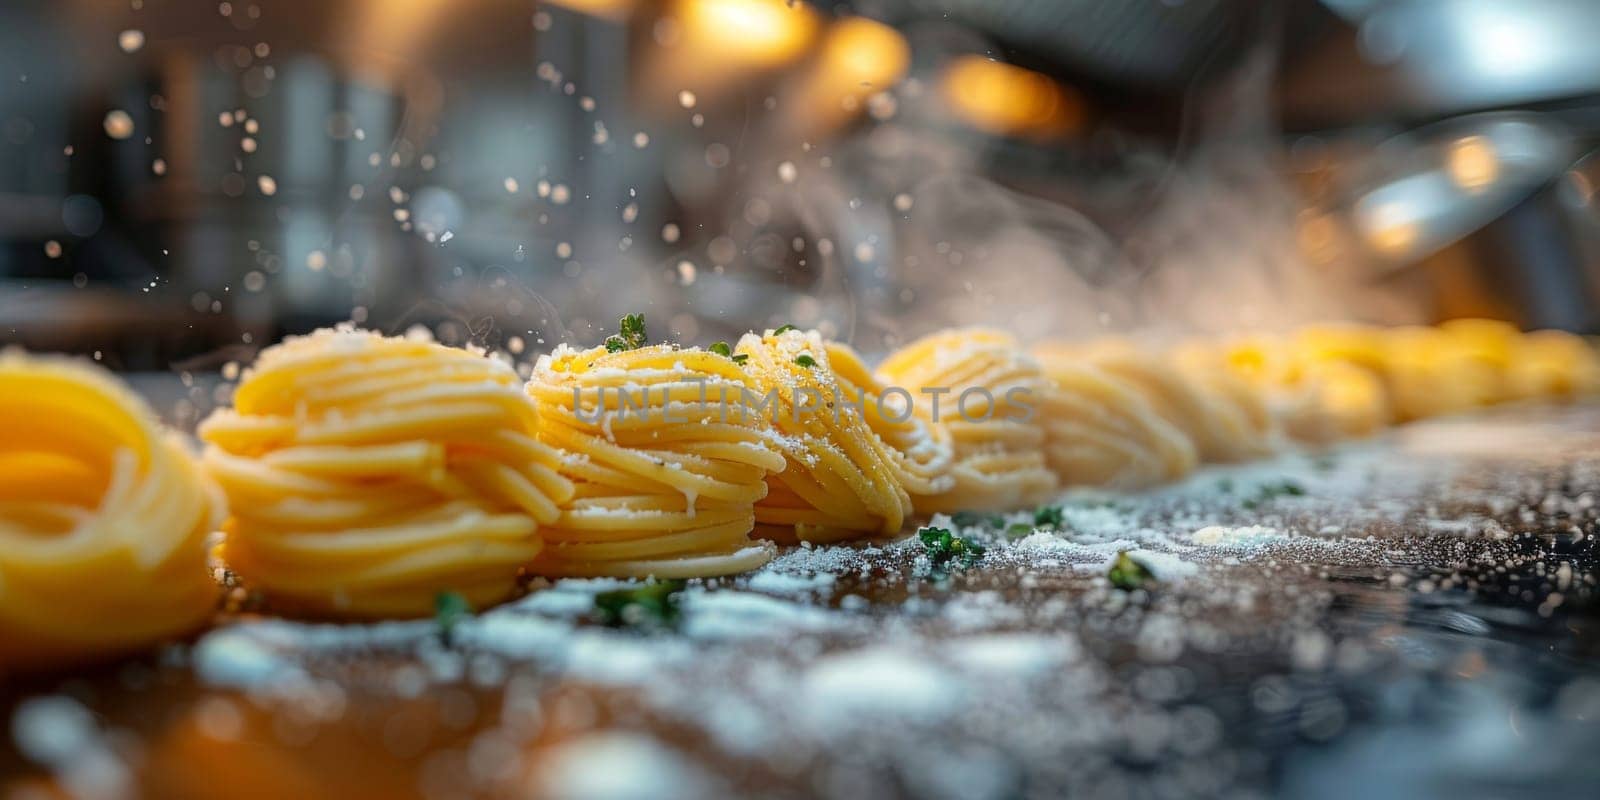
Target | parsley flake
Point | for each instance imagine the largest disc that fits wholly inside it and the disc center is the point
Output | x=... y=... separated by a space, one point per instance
x=652 y=605
x=1273 y=491
x=977 y=519
x=805 y=360
x=1127 y=574
x=944 y=547
x=1049 y=517
x=630 y=334
x=449 y=608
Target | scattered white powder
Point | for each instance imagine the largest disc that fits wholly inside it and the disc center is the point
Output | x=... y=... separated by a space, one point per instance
x=786 y=583
x=863 y=686
x=1012 y=655
x=1168 y=567
x=1246 y=536
x=58 y=733
x=743 y=615
x=620 y=766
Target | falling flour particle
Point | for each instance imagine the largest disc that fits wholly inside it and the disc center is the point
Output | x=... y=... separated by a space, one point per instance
x=131 y=40
x=118 y=124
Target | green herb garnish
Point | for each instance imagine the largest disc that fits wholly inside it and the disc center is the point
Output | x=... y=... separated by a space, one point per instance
x=721 y=349
x=652 y=605
x=1273 y=491
x=805 y=360
x=740 y=358
x=779 y=331
x=979 y=519
x=944 y=547
x=1127 y=574
x=449 y=608
x=1017 y=530
x=630 y=334
x=1049 y=517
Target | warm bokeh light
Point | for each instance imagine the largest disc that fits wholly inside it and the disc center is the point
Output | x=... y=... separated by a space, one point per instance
x=395 y=26
x=859 y=59
x=745 y=32
x=1473 y=163
x=707 y=46
x=1006 y=99
x=863 y=55
x=1391 y=228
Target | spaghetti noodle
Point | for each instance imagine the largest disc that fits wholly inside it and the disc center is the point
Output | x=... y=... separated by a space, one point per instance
x=841 y=480
x=103 y=518
x=367 y=474
x=921 y=450
x=1101 y=431
x=1226 y=422
x=991 y=396
x=667 y=459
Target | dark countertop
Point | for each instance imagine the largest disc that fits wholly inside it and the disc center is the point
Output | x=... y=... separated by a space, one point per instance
x=1409 y=617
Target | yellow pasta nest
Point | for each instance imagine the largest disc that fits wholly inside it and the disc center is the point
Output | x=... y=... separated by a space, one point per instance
x=667 y=458
x=841 y=480
x=1226 y=421
x=989 y=395
x=1553 y=364
x=1102 y=431
x=922 y=451
x=368 y=474
x=1314 y=394
x=1433 y=371
x=1530 y=366
x=103 y=518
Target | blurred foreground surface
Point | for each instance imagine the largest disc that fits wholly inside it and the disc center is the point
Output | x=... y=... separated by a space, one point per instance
x=1410 y=617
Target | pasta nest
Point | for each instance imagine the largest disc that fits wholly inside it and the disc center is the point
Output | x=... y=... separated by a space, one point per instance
x=922 y=451
x=1548 y=364
x=1320 y=385
x=1103 y=431
x=841 y=480
x=990 y=397
x=1223 y=417
x=667 y=459
x=367 y=474
x=103 y=518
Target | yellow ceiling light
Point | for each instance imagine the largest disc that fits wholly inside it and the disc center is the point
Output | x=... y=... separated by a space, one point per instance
x=1006 y=99
x=864 y=55
x=761 y=33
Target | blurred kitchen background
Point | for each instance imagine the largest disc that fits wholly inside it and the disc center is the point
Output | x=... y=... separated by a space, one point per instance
x=183 y=181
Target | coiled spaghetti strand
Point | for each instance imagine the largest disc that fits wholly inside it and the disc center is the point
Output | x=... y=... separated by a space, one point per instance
x=841 y=479
x=997 y=438
x=103 y=518
x=922 y=451
x=667 y=460
x=370 y=473
x=1103 y=432
x=1225 y=425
